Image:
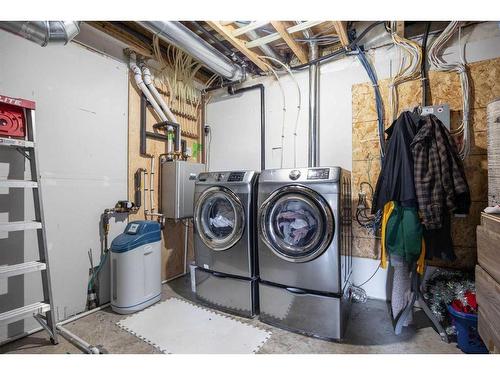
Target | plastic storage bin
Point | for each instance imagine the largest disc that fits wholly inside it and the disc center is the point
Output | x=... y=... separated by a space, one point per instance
x=136 y=267
x=468 y=339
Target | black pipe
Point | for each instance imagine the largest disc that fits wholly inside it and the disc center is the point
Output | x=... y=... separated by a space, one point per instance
x=138 y=186
x=224 y=85
x=177 y=132
x=142 y=147
x=183 y=148
x=261 y=88
x=423 y=70
x=144 y=134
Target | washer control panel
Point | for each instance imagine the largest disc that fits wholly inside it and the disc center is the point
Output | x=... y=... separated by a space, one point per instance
x=318 y=174
x=236 y=177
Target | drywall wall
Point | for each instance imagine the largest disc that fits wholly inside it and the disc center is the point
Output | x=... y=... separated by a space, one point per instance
x=81 y=118
x=481 y=41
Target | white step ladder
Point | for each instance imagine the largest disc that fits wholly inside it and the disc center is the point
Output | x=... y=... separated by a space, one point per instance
x=42 y=311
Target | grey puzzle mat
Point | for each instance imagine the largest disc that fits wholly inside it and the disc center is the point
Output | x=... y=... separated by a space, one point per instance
x=179 y=327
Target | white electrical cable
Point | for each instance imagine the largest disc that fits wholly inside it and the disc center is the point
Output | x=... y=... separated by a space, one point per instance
x=411 y=70
x=459 y=67
x=299 y=104
x=284 y=108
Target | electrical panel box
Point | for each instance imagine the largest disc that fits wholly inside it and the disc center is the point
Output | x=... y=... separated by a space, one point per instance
x=442 y=112
x=177 y=188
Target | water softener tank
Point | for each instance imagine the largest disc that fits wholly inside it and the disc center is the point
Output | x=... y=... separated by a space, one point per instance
x=136 y=267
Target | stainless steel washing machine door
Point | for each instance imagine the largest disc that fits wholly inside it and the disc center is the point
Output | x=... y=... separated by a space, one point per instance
x=296 y=223
x=219 y=218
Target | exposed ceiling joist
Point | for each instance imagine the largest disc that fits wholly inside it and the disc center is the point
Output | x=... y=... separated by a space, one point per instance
x=341 y=30
x=299 y=50
x=251 y=26
x=276 y=36
x=239 y=44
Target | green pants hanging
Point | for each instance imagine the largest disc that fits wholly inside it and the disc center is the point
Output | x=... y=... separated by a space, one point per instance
x=404 y=233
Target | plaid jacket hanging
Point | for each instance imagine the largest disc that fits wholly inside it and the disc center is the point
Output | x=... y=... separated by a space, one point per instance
x=439 y=177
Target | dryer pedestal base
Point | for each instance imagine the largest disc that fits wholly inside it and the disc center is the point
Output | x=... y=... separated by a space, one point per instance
x=226 y=293
x=309 y=314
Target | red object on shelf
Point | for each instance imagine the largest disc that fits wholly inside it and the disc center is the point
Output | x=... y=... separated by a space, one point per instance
x=12 y=116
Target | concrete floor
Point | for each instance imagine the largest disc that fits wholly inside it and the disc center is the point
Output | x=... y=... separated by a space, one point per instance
x=369 y=331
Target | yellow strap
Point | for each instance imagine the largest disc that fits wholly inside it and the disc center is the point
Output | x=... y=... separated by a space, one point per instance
x=388 y=208
x=421 y=260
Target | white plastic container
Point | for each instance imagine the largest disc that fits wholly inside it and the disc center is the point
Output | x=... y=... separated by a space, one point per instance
x=136 y=267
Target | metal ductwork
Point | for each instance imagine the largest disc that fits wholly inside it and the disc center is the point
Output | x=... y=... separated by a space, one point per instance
x=177 y=34
x=43 y=32
x=313 y=156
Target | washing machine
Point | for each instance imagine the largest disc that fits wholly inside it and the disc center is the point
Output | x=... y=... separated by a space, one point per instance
x=304 y=222
x=226 y=274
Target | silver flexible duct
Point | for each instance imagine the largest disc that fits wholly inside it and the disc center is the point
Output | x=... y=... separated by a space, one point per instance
x=43 y=32
x=313 y=156
x=176 y=33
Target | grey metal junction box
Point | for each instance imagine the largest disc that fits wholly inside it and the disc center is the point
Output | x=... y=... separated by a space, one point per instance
x=177 y=188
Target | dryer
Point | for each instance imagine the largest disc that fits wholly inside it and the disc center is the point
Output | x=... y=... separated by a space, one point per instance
x=224 y=241
x=304 y=249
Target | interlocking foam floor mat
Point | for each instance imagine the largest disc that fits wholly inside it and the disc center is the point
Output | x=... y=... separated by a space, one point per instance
x=179 y=327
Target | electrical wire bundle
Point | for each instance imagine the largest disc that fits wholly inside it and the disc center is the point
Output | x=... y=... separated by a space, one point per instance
x=177 y=73
x=378 y=97
x=409 y=67
x=460 y=68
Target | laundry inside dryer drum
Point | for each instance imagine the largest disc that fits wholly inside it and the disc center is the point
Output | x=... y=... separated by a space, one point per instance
x=219 y=216
x=295 y=222
x=295 y=225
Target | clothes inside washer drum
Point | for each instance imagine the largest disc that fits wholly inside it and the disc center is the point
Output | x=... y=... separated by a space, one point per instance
x=221 y=218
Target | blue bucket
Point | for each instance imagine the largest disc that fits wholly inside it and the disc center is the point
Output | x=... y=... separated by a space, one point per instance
x=468 y=339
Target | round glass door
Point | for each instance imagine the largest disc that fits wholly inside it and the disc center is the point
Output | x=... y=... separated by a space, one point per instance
x=219 y=218
x=296 y=223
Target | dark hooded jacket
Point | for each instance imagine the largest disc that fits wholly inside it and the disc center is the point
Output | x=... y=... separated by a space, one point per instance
x=395 y=182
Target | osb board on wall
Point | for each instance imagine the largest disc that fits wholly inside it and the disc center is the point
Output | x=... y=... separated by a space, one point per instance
x=173 y=234
x=444 y=88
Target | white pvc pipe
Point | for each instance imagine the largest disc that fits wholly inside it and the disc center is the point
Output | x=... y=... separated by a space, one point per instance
x=144 y=175
x=139 y=81
x=170 y=142
x=83 y=314
x=151 y=185
x=159 y=98
x=186 y=234
x=77 y=341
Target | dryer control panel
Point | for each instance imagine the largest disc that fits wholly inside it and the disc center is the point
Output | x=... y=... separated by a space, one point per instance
x=318 y=174
x=236 y=176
